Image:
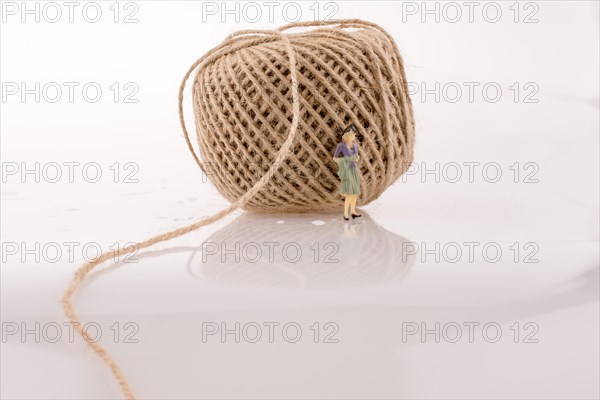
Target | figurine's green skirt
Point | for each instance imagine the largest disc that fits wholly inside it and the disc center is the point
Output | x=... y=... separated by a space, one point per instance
x=349 y=176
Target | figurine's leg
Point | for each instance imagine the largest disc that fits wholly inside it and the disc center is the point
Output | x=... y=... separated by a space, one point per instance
x=354 y=213
x=347 y=201
x=353 y=204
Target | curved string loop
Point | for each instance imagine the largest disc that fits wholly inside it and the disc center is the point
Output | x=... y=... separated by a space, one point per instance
x=83 y=271
x=200 y=64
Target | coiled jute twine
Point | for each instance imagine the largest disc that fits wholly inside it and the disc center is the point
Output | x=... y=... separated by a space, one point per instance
x=268 y=106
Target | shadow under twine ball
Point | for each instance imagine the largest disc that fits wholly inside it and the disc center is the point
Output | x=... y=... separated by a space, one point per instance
x=349 y=73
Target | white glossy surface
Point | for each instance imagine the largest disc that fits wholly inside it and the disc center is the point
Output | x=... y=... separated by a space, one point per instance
x=375 y=288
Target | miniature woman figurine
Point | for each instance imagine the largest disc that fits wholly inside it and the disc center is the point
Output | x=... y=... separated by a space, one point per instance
x=346 y=156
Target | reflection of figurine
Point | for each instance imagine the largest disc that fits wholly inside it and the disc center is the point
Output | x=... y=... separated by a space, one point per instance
x=346 y=155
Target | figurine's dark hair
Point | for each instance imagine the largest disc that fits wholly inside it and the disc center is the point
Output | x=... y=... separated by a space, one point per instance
x=349 y=128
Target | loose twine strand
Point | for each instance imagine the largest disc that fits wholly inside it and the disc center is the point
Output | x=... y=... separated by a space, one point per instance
x=257 y=36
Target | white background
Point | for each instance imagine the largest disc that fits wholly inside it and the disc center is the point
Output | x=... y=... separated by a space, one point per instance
x=375 y=289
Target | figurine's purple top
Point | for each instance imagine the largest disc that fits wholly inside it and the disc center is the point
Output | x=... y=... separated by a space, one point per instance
x=343 y=150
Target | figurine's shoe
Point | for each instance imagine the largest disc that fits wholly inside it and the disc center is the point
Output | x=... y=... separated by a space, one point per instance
x=356 y=216
x=347 y=219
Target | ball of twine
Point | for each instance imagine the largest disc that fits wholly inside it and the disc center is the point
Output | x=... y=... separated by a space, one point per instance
x=346 y=72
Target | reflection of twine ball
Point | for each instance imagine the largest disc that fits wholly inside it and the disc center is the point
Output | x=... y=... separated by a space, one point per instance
x=262 y=250
x=348 y=73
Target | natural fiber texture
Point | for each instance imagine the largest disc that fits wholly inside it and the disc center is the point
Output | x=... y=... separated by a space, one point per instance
x=243 y=110
x=384 y=110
